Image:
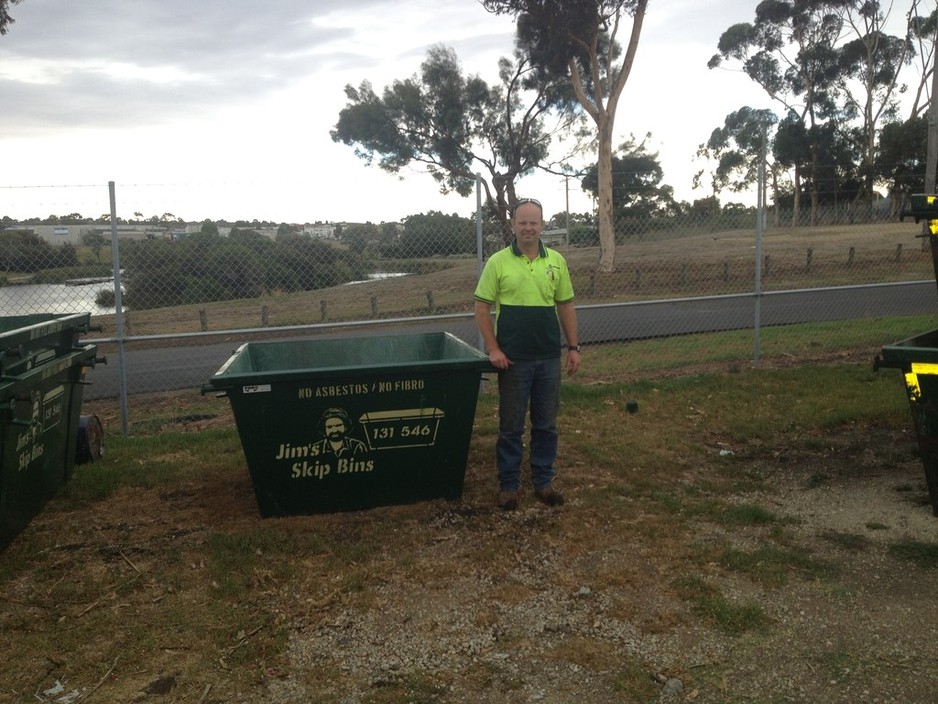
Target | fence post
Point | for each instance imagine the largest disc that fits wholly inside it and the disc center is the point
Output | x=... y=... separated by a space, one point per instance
x=203 y=320
x=118 y=309
x=726 y=271
x=760 y=223
x=638 y=279
x=322 y=310
x=430 y=303
x=810 y=257
x=684 y=275
x=898 y=252
x=374 y=306
x=851 y=255
x=265 y=316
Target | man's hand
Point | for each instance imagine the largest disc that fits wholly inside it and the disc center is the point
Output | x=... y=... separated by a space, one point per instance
x=498 y=360
x=572 y=363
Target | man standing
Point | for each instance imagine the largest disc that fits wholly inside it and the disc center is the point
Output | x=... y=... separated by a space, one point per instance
x=530 y=287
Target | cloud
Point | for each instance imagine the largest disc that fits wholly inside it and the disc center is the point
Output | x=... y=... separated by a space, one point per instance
x=127 y=63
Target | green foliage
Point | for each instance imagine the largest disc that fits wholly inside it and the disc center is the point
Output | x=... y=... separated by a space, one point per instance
x=206 y=267
x=637 y=191
x=708 y=603
x=5 y=19
x=453 y=124
x=26 y=252
x=437 y=234
x=902 y=155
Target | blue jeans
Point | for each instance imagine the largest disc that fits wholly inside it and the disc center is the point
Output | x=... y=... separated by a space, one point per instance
x=534 y=383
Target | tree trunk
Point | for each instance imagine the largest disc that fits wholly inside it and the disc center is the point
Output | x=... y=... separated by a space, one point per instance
x=607 y=230
x=796 y=203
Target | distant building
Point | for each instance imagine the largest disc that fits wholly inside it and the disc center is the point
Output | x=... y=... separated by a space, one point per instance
x=555 y=238
x=75 y=234
x=322 y=231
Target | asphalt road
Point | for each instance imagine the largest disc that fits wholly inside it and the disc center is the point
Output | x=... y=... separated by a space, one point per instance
x=192 y=364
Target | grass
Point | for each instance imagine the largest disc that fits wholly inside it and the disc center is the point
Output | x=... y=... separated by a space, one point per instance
x=169 y=570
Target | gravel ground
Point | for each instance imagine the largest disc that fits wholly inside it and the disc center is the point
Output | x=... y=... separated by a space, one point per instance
x=541 y=631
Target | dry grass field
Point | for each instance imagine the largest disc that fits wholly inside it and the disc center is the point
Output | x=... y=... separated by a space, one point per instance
x=690 y=265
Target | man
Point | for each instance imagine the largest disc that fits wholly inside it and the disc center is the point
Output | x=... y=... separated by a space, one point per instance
x=335 y=426
x=530 y=287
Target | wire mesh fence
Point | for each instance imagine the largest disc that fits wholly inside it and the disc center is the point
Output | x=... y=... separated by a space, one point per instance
x=191 y=291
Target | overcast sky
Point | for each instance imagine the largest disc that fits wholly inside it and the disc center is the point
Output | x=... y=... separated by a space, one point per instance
x=222 y=109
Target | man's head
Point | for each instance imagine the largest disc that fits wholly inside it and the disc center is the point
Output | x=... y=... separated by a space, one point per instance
x=526 y=206
x=527 y=221
x=334 y=424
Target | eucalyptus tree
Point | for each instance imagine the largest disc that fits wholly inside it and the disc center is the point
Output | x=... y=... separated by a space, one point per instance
x=790 y=50
x=578 y=40
x=901 y=158
x=5 y=19
x=737 y=149
x=870 y=64
x=923 y=31
x=638 y=194
x=454 y=125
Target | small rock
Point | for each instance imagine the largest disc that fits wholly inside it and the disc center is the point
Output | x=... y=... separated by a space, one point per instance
x=672 y=687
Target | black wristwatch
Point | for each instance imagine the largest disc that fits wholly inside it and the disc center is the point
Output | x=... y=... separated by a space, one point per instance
x=573 y=348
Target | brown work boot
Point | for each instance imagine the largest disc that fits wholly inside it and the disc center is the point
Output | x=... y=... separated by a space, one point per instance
x=549 y=495
x=508 y=500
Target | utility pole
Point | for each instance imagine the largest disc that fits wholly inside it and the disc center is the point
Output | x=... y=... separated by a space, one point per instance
x=931 y=154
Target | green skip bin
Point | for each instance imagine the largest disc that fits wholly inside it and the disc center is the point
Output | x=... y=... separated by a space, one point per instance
x=917 y=359
x=42 y=368
x=338 y=424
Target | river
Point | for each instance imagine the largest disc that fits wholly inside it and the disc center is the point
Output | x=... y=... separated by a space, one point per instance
x=34 y=299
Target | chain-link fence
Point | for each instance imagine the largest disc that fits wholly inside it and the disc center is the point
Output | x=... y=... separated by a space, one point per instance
x=191 y=292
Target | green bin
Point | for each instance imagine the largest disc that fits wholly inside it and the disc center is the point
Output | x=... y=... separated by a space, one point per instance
x=917 y=358
x=39 y=418
x=338 y=424
x=27 y=341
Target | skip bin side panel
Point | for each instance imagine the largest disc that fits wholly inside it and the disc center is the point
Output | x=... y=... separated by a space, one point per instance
x=351 y=441
x=921 y=382
x=37 y=438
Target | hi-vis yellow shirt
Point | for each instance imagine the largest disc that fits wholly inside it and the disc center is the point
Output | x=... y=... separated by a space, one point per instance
x=525 y=294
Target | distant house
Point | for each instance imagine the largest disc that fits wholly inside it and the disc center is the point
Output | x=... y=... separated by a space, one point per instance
x=555 y=238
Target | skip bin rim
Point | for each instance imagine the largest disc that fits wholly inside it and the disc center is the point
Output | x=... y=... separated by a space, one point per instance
x=82 y=356
x=223 y=379
x=45 y=325
x=901 y=354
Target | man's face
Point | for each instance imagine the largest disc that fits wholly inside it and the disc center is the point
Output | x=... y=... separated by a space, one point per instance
x=335 y=428
x=527 y=223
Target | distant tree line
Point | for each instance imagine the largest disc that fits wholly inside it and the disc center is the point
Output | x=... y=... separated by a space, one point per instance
x=206 y=267
x=22 y=251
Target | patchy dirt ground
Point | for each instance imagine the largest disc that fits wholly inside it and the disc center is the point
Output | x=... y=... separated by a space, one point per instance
x=124 y=599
